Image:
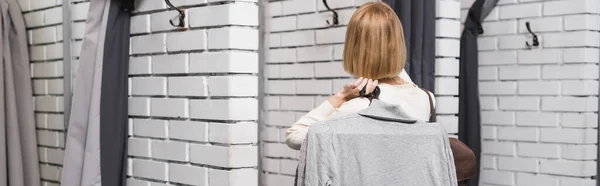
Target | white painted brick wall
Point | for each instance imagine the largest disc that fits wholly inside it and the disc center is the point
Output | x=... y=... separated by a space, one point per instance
x=539 y=106
x=43 y=19
x=193 y=101
x=303 y=67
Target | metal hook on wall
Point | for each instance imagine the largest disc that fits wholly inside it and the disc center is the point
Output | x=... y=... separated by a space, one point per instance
x=535 y=38
x=335 y=15
x=181 y=17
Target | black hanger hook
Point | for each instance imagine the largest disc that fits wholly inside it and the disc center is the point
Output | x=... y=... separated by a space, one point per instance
x=335 y=14
x=535 y=38
x=181 y=16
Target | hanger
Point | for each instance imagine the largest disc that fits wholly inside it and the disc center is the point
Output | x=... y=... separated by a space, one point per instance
x=535 y=39
x=335 y=15
x=181 y=16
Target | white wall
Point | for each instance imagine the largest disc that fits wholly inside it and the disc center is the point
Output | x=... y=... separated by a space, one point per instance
x=43 y=19
x=193 y=94
x=303 y=67
x=539 y=105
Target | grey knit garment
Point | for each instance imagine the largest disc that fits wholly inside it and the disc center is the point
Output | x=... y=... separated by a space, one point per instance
x=380 y=145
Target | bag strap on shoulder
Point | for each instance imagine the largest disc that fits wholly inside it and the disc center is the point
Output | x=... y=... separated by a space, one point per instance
x=432 y=114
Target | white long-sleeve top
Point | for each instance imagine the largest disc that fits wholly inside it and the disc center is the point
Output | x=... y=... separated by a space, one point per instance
x=410 y=97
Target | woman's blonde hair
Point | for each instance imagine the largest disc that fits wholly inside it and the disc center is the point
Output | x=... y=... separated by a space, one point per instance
x=374 y=46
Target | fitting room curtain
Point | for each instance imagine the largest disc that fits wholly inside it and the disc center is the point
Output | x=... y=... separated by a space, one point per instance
x=469 y=116
x=18 y=143
x=418 y=22
x=96 y=148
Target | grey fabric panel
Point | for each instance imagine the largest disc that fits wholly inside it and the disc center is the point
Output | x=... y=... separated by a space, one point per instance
x=18 y=144
x=82 y=153
x=113 y=106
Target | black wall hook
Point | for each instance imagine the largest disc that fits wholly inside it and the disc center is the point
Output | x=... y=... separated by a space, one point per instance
x=535 y=38
x=335 y=14
x=180 y=18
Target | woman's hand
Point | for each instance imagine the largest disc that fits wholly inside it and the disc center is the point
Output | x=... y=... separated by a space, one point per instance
x=352 y=90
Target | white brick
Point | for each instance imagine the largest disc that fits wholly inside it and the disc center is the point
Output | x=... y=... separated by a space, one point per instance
x=538 y=150
x=37 y=53
x=270 y=165
x=512 y=42
x=186 y=41
x=447 y=47
x=540 y=119
x=579 y=120
x=229 y=109
x=451 y=28
x=150 y=128
x=488 y=132
x=519 y=72
x=579 y=152
x=517 y=164
x=47 y=138
x=517 y=134
x=539 y=88
x=298 y=38
x=447 y=9
x=487 y=43
x=224 y=62
x=580 y=71
x=497 y=88
x=154 y=43
x=497 y=58
x=571 y=39
x=79 y=11
x=233 y=85
x=54 y=51
x=278 y=118
x=278 y=150
x=281 y=55
x=39 y=86
x=55 y=86
x=498 y=148
x=446 y=105
x=313 y=87
x=488 y=161
x=580 y=88
x=546 y=56
x=33 y=19
x=229 y=157
x=317 y=53
x=582 y=22
x=47 y=69
x=139 y=106
x=169 y=150
x=577 y=181
x=50 y=172
x=234 y=177
x=275 y=8
x=310 y=21
x=139 y=65
x=149 y=86
x=333 y=69
x=571 y=7
x=298 y=6
x=485 y=73
x=527 y=179
x=138 y=147
x=282 y=24
x=302 y=103
x=187 y=174
x=338 y=52
x=144 y=6
x=497 y=177
x=55 y=155
x=519 y=103
x=169 y=107
x=581 y=55
x=280 y=87
x=497 y=118
x=78 y=30
x=238 y=133
x=273 y=40
x=446 y=86
x=46 y=103
x=227 y=14
x=233 y=38
x=141 y=24
x=150 y=169
x=331 y=35
x=187 y=86
x=167 y=64
x=568 y=168
x=500 y=28
x=271 y=102
x=542 y=24
x=446 y=67
x=488 y=102
x=570 y=104
x=568 y=135
x=277 y=179
x=303 y=70
x=521 y=11
x=188 y=130
x=160 y=21
x=190 y=2
x=272 y=71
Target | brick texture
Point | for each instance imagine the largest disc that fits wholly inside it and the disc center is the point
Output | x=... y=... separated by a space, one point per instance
x=193 y=101
x=539 y=105
x=303 y=67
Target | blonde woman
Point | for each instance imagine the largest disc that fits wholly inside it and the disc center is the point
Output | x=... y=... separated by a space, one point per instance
x=375 y=53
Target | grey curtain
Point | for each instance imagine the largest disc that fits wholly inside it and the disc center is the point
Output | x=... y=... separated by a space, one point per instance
x=469 y=116
x=18 y=143
x=418 y=22
x=82 y=151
